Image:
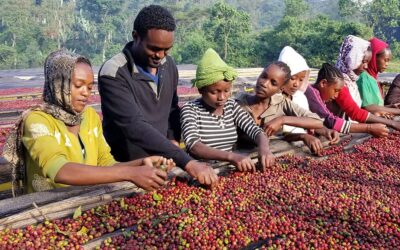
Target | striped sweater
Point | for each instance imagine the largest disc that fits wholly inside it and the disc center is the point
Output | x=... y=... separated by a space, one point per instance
x=219 y=132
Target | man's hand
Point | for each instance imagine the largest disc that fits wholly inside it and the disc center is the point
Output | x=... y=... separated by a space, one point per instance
x=202 y=172
x=242 y=162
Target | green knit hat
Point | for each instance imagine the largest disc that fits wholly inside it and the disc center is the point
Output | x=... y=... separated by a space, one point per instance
x=212 y=69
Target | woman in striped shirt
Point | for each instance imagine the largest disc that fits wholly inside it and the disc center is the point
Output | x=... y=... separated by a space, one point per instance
x=209 y=124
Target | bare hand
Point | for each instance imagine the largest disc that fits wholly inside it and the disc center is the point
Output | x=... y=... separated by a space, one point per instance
x=266 y=160
x=147 y=177
x=273 y=126
x=243 y=163
x=378 y=130
x=159 y=162
x=395 y=105
x=330 y=134
x=314 y=144
x=202 y=172
x=395 y=125
x=384 y=114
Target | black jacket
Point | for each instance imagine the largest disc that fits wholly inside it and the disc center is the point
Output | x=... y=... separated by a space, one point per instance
x=137 y=122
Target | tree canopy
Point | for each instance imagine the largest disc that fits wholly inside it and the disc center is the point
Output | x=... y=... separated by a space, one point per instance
x=245 y=33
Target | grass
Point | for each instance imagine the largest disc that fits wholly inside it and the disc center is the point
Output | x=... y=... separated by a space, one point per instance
x=394 y=66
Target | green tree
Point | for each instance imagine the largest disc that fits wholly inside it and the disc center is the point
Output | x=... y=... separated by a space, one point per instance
x=17 y=28
x=7 y=55
x=318 y=39
x=384 y=17
x=225 y=24
x=101 y=21
x=57 y=18
x=192 y=49
x=296 y=8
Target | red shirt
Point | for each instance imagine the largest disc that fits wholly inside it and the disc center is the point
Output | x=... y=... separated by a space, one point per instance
x=350 y=107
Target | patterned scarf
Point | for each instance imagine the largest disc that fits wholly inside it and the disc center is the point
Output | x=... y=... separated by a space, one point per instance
x=58 y=69
x=351 y=55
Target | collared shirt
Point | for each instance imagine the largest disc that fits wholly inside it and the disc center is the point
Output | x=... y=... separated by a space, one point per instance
x=154 y=78
x=278 y=106
x=137 y=120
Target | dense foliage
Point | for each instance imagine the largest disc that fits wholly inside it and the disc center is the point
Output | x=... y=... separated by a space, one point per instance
x=245 y=33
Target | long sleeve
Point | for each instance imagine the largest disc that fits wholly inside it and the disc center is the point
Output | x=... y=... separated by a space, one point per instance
x=245 y=122
x=318 y=106
x=190 y=131
x=174 y=126
x=104 y=157
x=121 y=106
x=350 y=107
x=42 y=144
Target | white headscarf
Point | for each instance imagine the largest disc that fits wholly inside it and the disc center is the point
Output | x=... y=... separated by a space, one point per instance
x=296 y=63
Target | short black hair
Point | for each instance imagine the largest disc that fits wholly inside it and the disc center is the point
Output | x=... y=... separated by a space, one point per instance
x=330 y=73
x=285 y=68
x=153 y=16
x=83 y=59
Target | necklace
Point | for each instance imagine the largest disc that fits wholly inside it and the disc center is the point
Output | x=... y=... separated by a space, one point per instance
x=221 y=121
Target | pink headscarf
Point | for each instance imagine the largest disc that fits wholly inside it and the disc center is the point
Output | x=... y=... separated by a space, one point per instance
x=377 y=46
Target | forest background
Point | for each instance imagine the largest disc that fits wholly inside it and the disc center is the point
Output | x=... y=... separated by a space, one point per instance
x=245 y=33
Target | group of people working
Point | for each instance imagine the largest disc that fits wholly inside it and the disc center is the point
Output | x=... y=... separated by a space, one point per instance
x=64 y=142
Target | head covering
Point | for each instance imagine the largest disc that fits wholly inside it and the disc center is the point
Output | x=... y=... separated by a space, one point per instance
x=377 y=46
x=296 y=63
x=212 y=69
x=58 y=69
x=351 y=54
x=293 y=59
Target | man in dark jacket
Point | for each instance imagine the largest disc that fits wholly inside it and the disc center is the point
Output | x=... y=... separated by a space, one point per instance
x=139 y=99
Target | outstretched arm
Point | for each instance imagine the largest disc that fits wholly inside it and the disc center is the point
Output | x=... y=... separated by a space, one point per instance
x=145 y=176
x=382 y=109
x=202 y=151
x=275 y=124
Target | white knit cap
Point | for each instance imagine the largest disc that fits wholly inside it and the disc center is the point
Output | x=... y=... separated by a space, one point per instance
x=293 y=59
